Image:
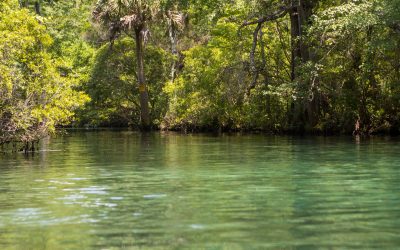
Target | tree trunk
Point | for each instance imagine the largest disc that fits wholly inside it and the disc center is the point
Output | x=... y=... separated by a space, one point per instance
x=295 y=41
x=144 y=96
x=37 y=8
x=23 y=3
x=174 y=50
x=302 y=111
x=313 y=102
x=295 y=116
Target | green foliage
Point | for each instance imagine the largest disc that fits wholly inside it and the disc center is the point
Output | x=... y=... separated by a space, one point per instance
x=213 y=91
x=34 y=96
x=356 y=69
x=113 y=85
x=68 y=23
x=205 y=71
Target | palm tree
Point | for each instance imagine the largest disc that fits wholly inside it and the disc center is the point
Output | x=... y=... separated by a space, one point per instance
x=132 y=17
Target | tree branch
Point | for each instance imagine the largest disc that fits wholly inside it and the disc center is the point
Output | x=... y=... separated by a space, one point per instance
x=281 y=12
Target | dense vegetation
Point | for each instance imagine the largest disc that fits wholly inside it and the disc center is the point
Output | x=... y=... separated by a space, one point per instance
x=329 y=66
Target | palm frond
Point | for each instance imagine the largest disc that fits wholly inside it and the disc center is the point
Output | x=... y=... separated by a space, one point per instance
x=176 y=18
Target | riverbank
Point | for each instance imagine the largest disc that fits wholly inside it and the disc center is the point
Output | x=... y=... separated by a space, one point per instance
x=386 y=131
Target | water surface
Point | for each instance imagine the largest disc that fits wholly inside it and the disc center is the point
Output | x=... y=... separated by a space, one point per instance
x=113 y=190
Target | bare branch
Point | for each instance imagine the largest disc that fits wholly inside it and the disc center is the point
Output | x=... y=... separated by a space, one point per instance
x=257 y=38
x=281 y=12
x=253 y=49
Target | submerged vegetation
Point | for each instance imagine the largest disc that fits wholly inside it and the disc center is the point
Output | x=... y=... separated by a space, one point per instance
x=279 y=66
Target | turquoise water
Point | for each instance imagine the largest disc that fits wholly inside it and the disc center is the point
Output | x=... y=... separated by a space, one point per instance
x=125 y=190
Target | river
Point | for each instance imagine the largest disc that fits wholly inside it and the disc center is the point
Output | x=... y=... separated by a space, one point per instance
x=126 y=190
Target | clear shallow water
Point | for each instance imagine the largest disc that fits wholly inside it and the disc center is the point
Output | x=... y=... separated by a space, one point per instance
x=112 y=190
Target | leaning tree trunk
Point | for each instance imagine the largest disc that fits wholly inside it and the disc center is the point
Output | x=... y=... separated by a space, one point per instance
x=144 y=96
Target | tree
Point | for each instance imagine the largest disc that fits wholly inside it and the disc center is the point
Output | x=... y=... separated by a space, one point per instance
x=131 y=17
x=300 y=13
x=215 y=89
x=34 y=96
x=357 y=66
x=111 y=85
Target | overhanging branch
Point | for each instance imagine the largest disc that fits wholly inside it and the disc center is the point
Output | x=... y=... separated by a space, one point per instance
x=281 y=12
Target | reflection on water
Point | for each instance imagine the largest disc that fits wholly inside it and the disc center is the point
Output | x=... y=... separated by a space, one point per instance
x=104 y=190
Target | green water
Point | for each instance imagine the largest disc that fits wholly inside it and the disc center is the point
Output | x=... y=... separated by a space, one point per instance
x=116 y=190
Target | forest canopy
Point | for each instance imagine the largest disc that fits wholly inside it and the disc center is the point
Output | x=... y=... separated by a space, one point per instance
x=278 y=66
